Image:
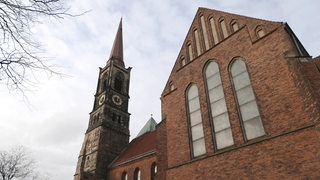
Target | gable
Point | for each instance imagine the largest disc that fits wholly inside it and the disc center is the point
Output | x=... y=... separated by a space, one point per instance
x=209 y=29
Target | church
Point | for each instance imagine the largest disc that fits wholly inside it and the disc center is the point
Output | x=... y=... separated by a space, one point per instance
x=242 y=102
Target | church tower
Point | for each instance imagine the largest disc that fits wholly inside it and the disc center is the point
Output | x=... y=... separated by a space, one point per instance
x=108 y=129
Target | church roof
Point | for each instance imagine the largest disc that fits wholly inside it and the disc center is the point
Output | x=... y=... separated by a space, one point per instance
x=149 y=126
x=139 y=147
x=116 y=54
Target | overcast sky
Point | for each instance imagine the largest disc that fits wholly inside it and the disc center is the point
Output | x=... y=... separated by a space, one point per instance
x=53 y=123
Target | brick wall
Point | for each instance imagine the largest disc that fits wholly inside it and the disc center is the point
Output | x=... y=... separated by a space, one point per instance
x=285 y=100
x=144 y=164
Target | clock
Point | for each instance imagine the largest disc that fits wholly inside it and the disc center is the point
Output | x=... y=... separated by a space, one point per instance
x=116 y=100
x=101 y=100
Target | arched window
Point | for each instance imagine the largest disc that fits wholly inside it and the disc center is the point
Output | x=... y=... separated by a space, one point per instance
x=219 y=112
x=118 y=82
x=137 y=174
x=196 y=129
x=154 y=170
x=124 y=176
x=247 y=105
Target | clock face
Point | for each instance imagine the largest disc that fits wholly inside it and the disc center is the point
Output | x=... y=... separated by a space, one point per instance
x=101 y=100
x=116 y=100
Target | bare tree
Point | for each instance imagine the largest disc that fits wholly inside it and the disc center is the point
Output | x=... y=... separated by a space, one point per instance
x=20 y=57
x=16 y=163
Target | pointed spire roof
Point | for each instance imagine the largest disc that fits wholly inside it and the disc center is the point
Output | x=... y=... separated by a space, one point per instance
x=148 y=127
x=116 y=54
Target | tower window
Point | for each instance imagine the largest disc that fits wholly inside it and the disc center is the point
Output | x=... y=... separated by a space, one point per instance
x=118 y=82
x=219 y=112
x=196 y=129
x=247 y=104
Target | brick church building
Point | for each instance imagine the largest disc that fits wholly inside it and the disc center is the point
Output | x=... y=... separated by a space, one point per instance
x=242 y=102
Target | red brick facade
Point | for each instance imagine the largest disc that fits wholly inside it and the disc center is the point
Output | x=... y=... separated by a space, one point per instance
x=287 y=100
x=286 y=84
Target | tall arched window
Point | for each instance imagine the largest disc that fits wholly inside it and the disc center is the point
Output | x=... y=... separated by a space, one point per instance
x=118 y=82
x=219 y=112
x=247 y=105
x=154 y=170
x=196 y=129
x=124 y=176
x=137 y=174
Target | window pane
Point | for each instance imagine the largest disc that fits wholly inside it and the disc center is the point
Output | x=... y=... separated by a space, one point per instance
x=218 y=107
x=245 y=95
x=254 y=128
x=197 y=132
x=195 y=118
x=212 y=69
x=216 y=93
x=221 y=122
x=249 y=110
x=194 y=105
x=192 y=92
x=224 y=138
x=213 y=81
x=199 y=147
x=241 y=80
x=238 y=67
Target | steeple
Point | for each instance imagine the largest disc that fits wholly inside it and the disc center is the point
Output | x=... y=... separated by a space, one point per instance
x=108 y=128
x=116 y=54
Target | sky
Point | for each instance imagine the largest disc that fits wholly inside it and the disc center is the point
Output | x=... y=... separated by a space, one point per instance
x=52 y=122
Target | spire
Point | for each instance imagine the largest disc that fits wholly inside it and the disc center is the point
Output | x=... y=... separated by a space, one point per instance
x=148 y=127
x=116 y=54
